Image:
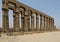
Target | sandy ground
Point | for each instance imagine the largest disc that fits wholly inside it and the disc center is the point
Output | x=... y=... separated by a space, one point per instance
x=38 y=37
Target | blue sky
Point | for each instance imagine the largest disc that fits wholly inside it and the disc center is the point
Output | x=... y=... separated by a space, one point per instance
x=50 y=7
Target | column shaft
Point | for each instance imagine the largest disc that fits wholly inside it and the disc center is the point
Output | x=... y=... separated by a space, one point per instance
x=47 y=23
x=44 y=24
x=29 y=23
x=40 y=23
x=32 y=21
x=5 y=16
x=16 y=22
x=52 y=24
x=5 y=20
x=22 y=22
x=37 y=22
x=26 y=21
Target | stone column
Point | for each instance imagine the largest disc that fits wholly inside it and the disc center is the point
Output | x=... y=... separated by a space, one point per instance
x=26 y=21
x=37 y=22
x=22 y=22
x=47 y=23
x=40 y=22
x=16 y=20
x=32 y=22
x=52 y=24
x=5 y=20
x=44 y=24
x=29 y=23
x=5 y=16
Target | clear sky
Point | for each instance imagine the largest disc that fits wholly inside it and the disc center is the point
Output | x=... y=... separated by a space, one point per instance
x=50 y=7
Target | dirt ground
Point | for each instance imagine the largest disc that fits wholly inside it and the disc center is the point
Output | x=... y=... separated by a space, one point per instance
x=38 y=37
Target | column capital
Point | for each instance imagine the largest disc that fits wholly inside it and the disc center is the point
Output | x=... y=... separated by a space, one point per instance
x=5 y=1
x=40 y=17
x=5 y=4
x=32 y=15
x=26 y=13
x=37 y=16
x=17 y=8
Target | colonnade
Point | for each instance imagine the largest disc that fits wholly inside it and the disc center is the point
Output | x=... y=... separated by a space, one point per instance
x=46 y=22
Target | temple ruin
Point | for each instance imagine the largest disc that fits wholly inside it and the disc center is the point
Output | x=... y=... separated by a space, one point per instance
x=27 y=13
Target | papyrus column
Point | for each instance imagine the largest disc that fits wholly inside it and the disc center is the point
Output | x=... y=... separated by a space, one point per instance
x=44 y=23
x=22 y=22
x=16 y=20
x=37 y=22
x=40 y=22
x=29 y=23
x=49 y=26
x=47 y=23
x=5 y=20
x=32 y=22
x=52 y=24
x=5 y=16
x=26 y=15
